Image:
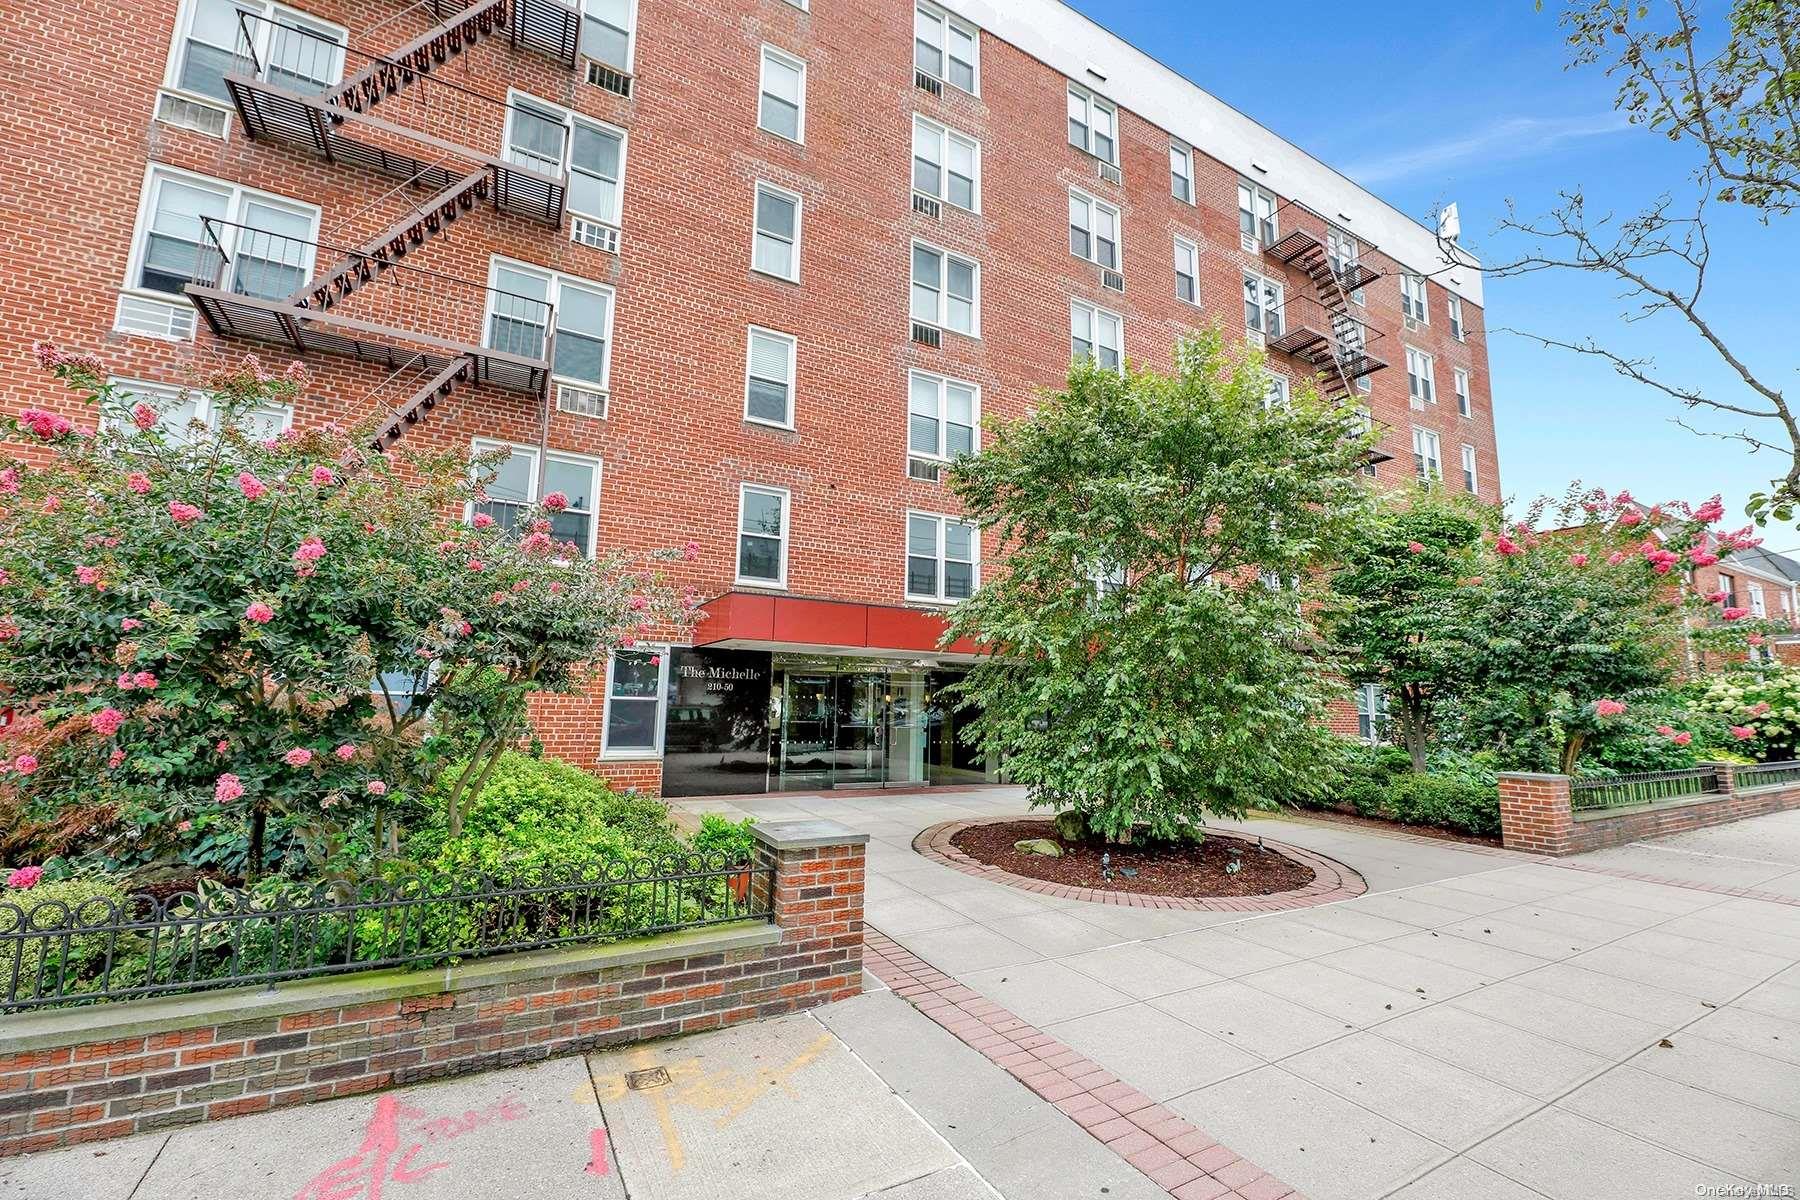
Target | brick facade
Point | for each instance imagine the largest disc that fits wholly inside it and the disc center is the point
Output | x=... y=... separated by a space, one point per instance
x=674 y=447
x=1535 y=814
x=88 y=1074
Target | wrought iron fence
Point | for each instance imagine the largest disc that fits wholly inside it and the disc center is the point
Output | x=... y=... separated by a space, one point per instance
x=1766 y=775
x=55 y=952
x=1649 y=787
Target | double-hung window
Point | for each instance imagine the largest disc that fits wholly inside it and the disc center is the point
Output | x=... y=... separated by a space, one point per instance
x=941 y=416
x=606 y=31
x=516 y=484
x=636 y=683
x=1263 y=302
x=942 y=557
x=762 y=535
x=1093 y=230
x=1257 y=222
x=1459 y=383
x=946 y=164
x=1279 y=395
x=1428 y=458
x=1187 y=271
x=1181 y=172
x=1097 y=334
x=777 y=248
x=1371 y=713
x=200 y=230
x=1413 y=304
x=781 y=108
x=1759 y=605
x=550 y=140
x=295 y=51
x=769 y=378
x=523 y=299
x=1421 y=378
x=946 y=290
x=1457 y=329
x=1343 y=253
x=1093 y=125
x=946 y=49
x=179 y=409
x=1468 y=468
x=1728 y=588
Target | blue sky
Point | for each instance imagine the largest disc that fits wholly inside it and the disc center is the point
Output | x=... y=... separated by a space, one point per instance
x=1476 y=108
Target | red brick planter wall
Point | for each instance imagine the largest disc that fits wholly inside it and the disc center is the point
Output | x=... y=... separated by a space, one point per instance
x=104 y=1071
x=1535 y=814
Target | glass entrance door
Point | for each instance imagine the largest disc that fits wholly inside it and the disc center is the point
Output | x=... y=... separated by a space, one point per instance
x=808 y=731
x=849 y=728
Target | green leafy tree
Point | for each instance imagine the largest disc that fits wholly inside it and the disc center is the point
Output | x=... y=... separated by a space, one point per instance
x=190 y=620
x=1150 y=658
x=1395 y=602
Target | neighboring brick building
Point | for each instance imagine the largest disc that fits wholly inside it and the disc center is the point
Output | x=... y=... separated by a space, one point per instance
x=1766 y=585
x=736 y=271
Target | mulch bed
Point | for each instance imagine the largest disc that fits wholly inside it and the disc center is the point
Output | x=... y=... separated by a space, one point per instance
x=1376 y=824
x=1161 y=871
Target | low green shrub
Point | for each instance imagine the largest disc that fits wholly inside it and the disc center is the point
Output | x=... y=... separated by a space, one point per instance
x=1447 y=802
x=730 y=839
x=68 y=904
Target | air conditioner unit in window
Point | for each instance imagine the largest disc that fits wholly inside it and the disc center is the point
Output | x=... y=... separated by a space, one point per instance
x=929 y=83
x=593 y=233
x=1112 y=280
x=203 y=118
x=927 y=335
x=155 y=318
x=615 y=81
x=580 y=401
x=1111 y=173
x=925 y=206
x=925 y=469
x=1411 y=323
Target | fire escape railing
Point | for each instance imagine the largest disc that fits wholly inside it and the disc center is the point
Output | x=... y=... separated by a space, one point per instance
x=1335 y=344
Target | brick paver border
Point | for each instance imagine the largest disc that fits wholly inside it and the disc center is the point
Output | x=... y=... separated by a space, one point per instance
x=1176 y=1155
x=1332 y=880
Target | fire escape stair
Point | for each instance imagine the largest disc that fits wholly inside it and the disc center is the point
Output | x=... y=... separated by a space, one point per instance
x=367 y=265
x=434 y=48
x=462 y=370
x=1338 y=350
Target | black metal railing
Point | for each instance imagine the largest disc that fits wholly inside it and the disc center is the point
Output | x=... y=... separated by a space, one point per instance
x=1766 y=775
x=1648 y=787
x=55 y=952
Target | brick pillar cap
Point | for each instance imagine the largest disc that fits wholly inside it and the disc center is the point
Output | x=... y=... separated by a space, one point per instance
x=1530 y=775
x=805 y=835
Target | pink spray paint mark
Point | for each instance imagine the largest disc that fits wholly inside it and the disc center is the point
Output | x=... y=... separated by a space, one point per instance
x=597 y=1161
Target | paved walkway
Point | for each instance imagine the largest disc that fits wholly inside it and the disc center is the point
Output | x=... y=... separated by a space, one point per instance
x=1478 y=1025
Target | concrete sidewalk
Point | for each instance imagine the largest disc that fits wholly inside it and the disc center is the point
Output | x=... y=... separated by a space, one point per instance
x=1478 y=1025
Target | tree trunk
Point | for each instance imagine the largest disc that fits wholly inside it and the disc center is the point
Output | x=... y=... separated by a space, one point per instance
x=259 y=820
x=1572 y=751
x=1412 y=729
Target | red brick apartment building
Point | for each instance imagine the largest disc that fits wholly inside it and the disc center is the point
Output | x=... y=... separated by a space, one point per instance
x=740 y=271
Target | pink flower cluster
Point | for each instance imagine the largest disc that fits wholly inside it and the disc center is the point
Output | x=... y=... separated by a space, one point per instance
x=45 y=425
x=24 y=877
x=482 y=521
x=25 y=764
x=259 y=612
x=228 y=788
x=88 y=576
x=1742 y=733
x=9 y=481
x=323 y=477
x=345 y=752
x=183 y=513
x=1680 y=739
x=1734 y=614
x=141 y=681
x=252 y=487
x=376 y=787
x=1578 y=560
x=50 y=357
x=691 y=551
x=106 y=722
x=556 y=501
x=307 y=556
x=1713 y=510
x=299 y=756
x=1608 y=708
x=138 y=482
x=144 y=417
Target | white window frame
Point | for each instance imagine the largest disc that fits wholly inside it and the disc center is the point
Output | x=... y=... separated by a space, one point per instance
x=793 y=370
x=1094 y=102
x=1193 y=249
x=557 y=280
x=1255 y=240
x=1427 y=466
x=1371 y=708
x=1273 y=314
x=207 y=410
x=737 y=542
x=236 y=195
x=1343 y=251
x=1095 y=207
x=1097 y=316
x=1471 y=477
x=949 y=22
x=946 y=135
x=943 y=384
x=941 y=321
x=631 y=17
x=1459 y=383
x=1280 y=393
x=184 y=24
x=763 y=185
x=660 y=700
x=762 y=89
x=1421 y=378
x=1181 y=166
x=942 y=520
x=1728 y=585
x=1759 y=603
x=1415 y=298
x=516 y=98
x=536 y=487
x=1453 y=305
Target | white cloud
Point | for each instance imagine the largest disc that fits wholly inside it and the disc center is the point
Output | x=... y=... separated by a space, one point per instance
x=1506 y=139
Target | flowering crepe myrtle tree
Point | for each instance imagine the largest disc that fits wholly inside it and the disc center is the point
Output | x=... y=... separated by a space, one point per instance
x=190 y=619
x=1576 y=607
x=1139 y=670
